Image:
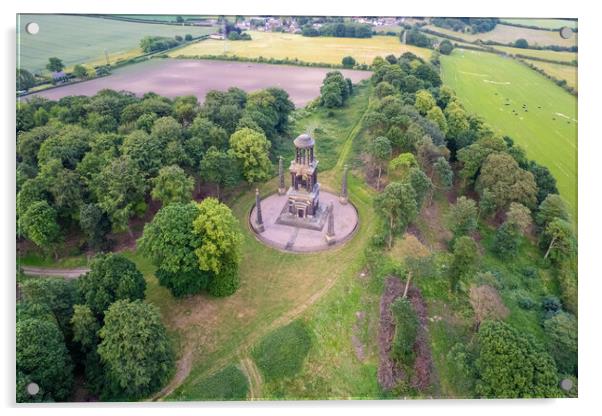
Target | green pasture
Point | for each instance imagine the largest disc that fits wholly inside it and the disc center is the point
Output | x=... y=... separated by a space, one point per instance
x=78 y=39
x=543 y=23
x=560 y=56
x=493 y=86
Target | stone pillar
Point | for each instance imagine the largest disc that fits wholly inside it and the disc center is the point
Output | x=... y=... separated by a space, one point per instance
x=330 y=235
x=259 y=219
x=281 y=188
x=343 y=199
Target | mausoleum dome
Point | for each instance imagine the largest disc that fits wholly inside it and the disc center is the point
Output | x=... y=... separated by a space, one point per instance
x=304 y=141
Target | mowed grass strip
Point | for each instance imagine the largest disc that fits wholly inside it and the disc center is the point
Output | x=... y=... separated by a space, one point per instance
x=282 y=352
x=327 y=50
x=227 y=384
x=507 y=34
x=492 y=86
x=79 y=39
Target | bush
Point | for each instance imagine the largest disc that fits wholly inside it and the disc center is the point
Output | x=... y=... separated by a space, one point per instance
x=348 y=62
x=446 y=47
x=183 y=283
x=551 y=305
x=282 y=352
x=524 y=300
x=406 y=329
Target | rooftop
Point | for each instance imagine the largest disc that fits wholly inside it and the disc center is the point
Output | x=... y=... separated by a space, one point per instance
x=304 y=141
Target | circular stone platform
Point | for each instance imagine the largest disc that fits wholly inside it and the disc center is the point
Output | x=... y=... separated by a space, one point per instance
x=297 y=239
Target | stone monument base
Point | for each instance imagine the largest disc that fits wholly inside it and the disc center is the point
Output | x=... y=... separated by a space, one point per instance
x=315 y=222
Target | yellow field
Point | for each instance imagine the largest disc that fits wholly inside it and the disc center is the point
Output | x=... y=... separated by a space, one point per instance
x=317 y=49
x=506 y=34
x=543 y=54
x=565 y=72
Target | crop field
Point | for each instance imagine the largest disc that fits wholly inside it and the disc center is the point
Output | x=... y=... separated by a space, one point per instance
x=565 y=72
x=177 y=77
x=328 y=50
x=88 y=39
x=543 y=54
x=543 y=23
x=546 y=128
x=508 y=34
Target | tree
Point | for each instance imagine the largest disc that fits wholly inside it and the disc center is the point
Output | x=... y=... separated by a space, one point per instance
x=552 y=207
x=443 y=172
x=334 y=91
x=561 y=330
x=406 y=330
x=220 y=168
x=436 y=116
x=111 y=277
x=512 y=365
x=25 y=80
x=135 y=350
x=519 y=215
x=147 y=151
x=559 y=240
x=348 y=62
x=486 y=304
x=421 y=184
x=507 y=181
x=79 y=71
x=169 y=241
x=457 y=119
x=251 y=148
x=85 y=327
x=397 y=204
x=507 y=239
x=43 y=358
x=464 y=261
x=379 y=151
x=424 y=102
x=546 y=183
x=120 y=192
x=95 y=224
x=384 y=89
x=39 y=225
x=462 y=217
x=402 y=164
x=54 y=65
x=219 y=253
x=446 y=47
x=521 y=43
x=172 y=185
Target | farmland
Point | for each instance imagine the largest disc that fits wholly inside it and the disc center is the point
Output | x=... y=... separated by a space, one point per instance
x=541 y=54
x=558 y=71
x=543 y=23
x=508 y=34
x=327 y=50
x=485 y=84
x=175 y=77
x=88 y=39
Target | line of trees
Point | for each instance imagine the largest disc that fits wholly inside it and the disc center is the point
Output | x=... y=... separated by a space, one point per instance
x=339 y=30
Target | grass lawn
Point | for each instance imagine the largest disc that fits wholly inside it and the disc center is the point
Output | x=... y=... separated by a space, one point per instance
x=508 y=34
x=227 y=384
x=328 y=50
x=535 y=53
x=485 y=82
x=543 y=23
x=78 y=39
x=558 y=71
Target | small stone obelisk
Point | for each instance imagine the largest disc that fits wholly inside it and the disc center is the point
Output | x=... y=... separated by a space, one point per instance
x=343 y=199
x=259 y=219
x=281 y=187
x=330 y=236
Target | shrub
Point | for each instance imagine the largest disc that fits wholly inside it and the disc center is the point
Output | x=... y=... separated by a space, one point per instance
x=406 y=329
x=551 y=305
x=524 y=300
x=282 y=352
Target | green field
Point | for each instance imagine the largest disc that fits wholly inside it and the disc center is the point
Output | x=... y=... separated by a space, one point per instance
x=328 y=50
x=543 y=23
x=76 y=39
x=537 y=53
x=485 y=82
x=558 y=71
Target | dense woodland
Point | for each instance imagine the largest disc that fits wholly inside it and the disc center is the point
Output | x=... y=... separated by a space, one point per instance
x=88 y=166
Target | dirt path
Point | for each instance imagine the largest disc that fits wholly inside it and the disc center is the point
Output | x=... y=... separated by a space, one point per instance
x=69 y=274
x=255 y=382
x=183 y=369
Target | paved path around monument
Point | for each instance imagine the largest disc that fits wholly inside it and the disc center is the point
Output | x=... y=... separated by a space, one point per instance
x=298 y=239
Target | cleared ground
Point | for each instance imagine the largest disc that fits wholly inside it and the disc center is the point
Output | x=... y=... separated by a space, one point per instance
x=507 y=34
x=543 y=23
x=547 y=131
x=78 y=39
x=328 y=50
x=543 y=54
x=177 y=77
x=558 y=71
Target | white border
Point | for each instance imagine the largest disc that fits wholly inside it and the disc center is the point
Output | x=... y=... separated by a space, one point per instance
x=590 y=148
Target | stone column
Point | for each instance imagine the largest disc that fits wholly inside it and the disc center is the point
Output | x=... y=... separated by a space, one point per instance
x=343 y=199
x=330 y=235
x=259 y=219
x=281 y=188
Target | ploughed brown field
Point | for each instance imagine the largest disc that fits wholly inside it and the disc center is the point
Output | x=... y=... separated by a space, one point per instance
x=177 y=77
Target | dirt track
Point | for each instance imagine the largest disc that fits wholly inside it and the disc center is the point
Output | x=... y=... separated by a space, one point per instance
x=68 y=274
